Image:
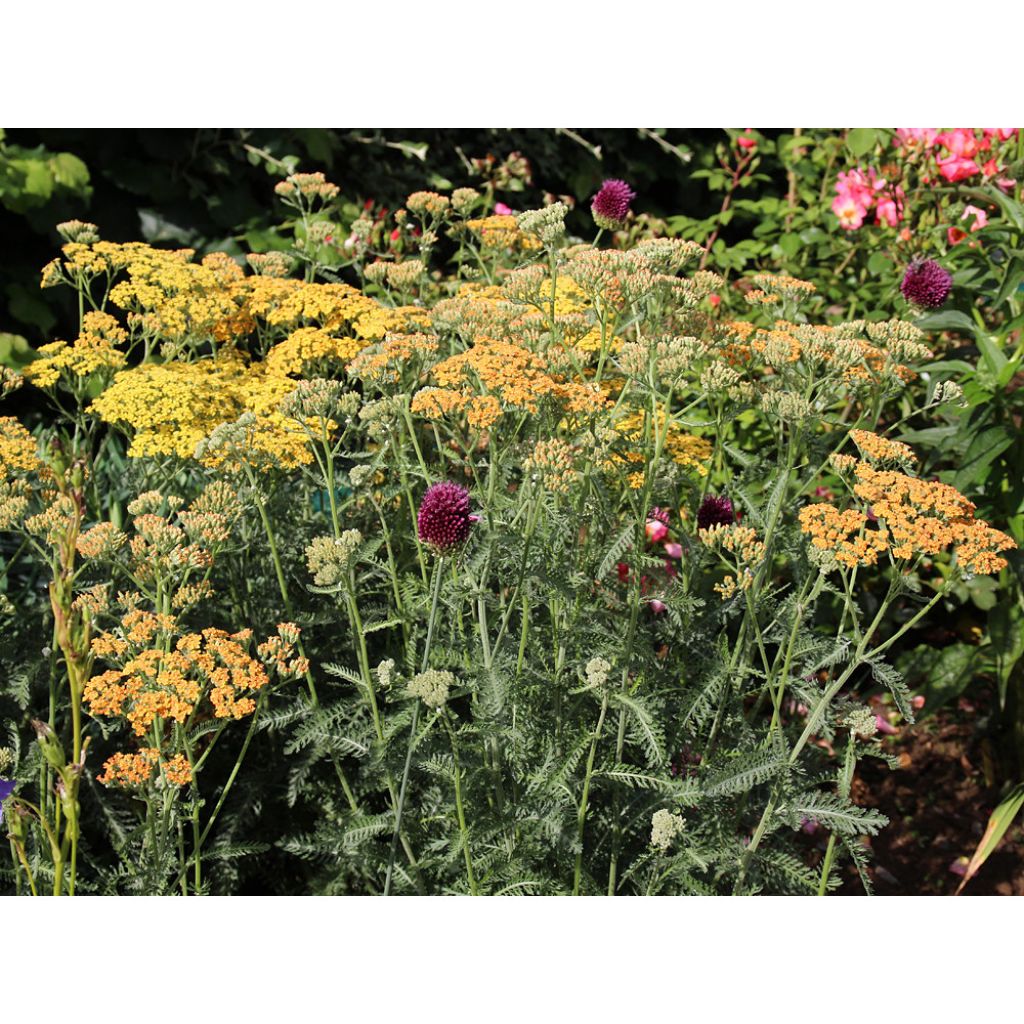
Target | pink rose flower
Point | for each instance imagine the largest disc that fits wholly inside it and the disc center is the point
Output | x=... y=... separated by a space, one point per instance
x=916 y=137
x=956 y=168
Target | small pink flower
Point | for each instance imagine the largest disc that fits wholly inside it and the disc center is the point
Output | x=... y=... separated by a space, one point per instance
x=715 y=299
x=918 y=701
x=980 y=216
x=850 y=213
x=889 y=210
x=916 y=137
x=990 y=168
x=674 y=550
x=1003 y=134
x=656 y=606
x=955 y=235
x=656 y=530
x=1006 y=184
x=501 y=210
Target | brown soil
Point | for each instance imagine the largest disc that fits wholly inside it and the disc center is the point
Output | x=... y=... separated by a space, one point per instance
x=938 y=804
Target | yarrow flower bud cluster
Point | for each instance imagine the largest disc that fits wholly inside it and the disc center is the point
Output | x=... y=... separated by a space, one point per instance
x=444 y=518
x=547 y=223
x=329 y=558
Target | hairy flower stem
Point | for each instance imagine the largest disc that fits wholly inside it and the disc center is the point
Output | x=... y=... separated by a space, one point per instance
x=581 y=817
x=400 y=806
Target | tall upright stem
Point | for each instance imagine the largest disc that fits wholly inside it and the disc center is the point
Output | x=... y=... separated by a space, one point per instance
x=403 y=788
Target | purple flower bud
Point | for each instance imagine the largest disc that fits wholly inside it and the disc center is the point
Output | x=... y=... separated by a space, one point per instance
x=714 y=512
x=610 y=206
x=444 y=518
x=926 y=284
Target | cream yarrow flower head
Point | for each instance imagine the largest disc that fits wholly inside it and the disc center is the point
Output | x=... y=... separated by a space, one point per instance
x=666 y=827
x=329 y=558
x=385 y=673
x=862 y=722
x=432 y=687
x=598 y=670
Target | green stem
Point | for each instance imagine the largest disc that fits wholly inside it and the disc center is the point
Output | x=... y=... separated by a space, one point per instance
x=581 y=818
x=403 y=787
x=459 y=810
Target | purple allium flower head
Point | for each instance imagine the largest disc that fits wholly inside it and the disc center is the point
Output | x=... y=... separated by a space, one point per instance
x=926 y=284
x=714 y=512
x=611 y=204
x=444 y=518
x=6 y=789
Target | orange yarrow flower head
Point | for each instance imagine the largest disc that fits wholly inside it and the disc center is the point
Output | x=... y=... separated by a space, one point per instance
x=915 y=517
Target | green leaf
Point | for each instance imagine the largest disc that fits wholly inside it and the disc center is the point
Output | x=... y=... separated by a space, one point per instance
x=991 y=353
x=1001 y=819
x=15 y=351
x=861 y=141
x=946 y=320
x=879 y=264
x=985 y=448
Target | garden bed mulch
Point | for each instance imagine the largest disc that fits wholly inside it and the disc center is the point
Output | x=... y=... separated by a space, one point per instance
x=938 y=804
